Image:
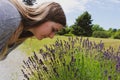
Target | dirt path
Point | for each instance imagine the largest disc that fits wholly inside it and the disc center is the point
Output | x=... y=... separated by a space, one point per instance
x=10 y=67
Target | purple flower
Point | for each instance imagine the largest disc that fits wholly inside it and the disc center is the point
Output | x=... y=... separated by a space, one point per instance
x=41 y=50
x=41 y=62
x=105 y=72
x=109 y=78
x=45 y=69
x=35 y=56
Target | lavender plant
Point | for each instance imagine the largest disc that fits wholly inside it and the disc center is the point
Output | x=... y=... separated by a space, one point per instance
x=73 y=59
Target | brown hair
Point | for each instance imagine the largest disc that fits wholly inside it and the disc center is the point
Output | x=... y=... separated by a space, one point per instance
x=51 y=12
x=34 y=16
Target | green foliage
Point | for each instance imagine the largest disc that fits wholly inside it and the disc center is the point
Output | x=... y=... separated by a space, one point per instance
x=112 y=32
x=64 y=31
x=77 y=30
x=97 y=27
x=100 y=34
x=83 y=25
x=117 y=35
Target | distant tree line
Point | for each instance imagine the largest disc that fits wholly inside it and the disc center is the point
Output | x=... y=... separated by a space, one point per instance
x=83 y=27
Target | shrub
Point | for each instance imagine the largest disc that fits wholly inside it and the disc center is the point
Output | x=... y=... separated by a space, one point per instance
x=64 y=31
x=117 y=35
x=100 y=34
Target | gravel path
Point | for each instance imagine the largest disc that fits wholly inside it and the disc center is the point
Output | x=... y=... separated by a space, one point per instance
x=10 y=67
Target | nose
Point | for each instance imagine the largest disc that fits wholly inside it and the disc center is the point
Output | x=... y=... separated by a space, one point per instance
x=51 y=35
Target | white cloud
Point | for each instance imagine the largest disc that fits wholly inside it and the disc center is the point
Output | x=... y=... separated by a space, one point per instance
x=70 y=5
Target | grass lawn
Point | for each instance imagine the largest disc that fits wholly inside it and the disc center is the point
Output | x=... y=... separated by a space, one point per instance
x=32 y=44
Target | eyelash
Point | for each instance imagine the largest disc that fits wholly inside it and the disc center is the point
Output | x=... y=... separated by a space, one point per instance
x=54 y=30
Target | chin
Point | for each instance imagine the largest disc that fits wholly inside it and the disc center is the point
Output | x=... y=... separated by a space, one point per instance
x=40 y=38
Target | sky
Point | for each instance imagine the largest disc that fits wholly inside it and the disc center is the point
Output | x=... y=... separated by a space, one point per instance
x=105 y=13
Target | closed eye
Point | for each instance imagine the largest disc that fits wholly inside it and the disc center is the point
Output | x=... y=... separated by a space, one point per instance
x=54 y=30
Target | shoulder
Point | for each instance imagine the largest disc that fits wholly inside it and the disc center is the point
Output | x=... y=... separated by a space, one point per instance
x=10 y=19
x=9 y=15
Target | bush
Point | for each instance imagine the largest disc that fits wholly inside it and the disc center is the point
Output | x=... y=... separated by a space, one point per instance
x=63 y=31
x=117 y=35
x=100 y=34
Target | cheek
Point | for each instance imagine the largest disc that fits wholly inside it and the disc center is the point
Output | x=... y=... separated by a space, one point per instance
x=44 y=31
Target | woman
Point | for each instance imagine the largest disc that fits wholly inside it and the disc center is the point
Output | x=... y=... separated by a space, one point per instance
x=19 y=22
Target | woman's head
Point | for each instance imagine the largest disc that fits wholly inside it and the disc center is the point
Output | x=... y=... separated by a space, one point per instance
x=35 y=16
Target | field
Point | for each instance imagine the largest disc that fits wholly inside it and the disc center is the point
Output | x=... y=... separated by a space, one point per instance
x=72 y=58
x=34 y=45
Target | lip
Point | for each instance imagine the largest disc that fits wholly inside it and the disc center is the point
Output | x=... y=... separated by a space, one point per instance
x=40 y=38
x=45 y=36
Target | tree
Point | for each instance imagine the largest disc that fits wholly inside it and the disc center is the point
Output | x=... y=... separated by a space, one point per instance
x=77 y=30
x=83 y=25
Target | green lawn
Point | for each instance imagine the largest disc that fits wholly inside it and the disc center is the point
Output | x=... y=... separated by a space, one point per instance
x=32 y=44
